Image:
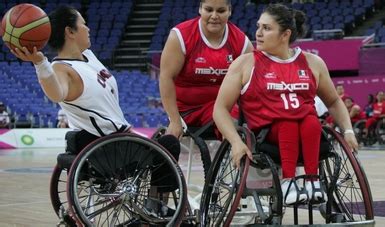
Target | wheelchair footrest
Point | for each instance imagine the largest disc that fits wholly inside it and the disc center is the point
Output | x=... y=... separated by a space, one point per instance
x=311 y=186
x=64 y=160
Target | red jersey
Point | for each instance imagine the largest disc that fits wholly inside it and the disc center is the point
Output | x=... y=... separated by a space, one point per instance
x=361 y=115
x=378 y=109
x=205 y=66
x=278 y=89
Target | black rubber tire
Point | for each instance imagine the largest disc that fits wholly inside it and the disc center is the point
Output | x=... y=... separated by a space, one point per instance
x=205 y=154
x=115 y=150
x=351 y=182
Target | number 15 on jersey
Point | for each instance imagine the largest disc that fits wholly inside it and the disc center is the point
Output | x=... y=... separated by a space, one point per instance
x=290 y=100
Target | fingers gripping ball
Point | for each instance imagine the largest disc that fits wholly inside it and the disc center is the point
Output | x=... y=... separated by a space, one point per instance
x=25 y=25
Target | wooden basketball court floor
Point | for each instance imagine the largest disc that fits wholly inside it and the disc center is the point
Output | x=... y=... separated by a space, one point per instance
x=25 y=176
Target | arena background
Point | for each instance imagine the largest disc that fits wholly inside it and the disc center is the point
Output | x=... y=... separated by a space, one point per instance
x=128 y=36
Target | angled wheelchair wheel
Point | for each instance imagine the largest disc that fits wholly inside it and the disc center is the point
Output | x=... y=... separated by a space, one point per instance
x=201 y=144
x=223 y=188
x=158 y=133
x=359 y=127
x=124 y=179
x=204 y=152
x=352 y=196
x=58 y=194
x=380 y=130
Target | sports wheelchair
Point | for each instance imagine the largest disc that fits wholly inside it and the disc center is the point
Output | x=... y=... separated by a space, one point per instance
x=376 y=133
x=79 y=172
x=195 y=139
x=340 y=173
x=118 y=180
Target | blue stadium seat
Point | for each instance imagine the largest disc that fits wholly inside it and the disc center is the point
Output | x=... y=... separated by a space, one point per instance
x=136 y=121
x=152 y=121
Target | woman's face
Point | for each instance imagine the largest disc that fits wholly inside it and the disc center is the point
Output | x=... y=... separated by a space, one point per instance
x=380 y=96
x=82 y=33
x=214 y=15
x=348 y=103
x=268 y=34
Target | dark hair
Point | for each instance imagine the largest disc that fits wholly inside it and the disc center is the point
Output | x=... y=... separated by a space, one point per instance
x=371 y=98
x=351 y=99
x=288 y=18
x=227 y=1
x=64 y=16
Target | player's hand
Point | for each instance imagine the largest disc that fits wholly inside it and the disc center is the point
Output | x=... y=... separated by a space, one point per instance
x=238 y=150
x=24 y=54
x=175 y=129
x=351 y=140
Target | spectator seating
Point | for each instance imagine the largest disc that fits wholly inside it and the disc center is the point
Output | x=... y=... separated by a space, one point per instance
x=342 y=14
x=378 y=30
x=26 y=102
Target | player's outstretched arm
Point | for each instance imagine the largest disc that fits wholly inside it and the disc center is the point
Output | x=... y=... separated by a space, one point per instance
x=55 y=86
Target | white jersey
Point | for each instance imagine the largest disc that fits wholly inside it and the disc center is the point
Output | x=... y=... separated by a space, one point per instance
x=97 y=109
x=320 y=106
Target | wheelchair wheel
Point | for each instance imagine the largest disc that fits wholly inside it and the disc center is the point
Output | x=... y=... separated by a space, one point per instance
x=380 y=130
x=205 y=153
x=359 y=127
x=223 y=188
x=125 y=179
x=204 y=150
x=352 y=195
x=158 y=133
x=58 y=194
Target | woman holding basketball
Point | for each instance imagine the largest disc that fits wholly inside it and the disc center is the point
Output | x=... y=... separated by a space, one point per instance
x=77 y=80
x=76 y=77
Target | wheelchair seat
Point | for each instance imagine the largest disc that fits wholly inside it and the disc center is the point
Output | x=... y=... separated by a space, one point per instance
x=64 y=160
x=75 y=142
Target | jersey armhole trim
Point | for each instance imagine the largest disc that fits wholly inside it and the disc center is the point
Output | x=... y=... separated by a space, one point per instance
x=180 y=38
x=245 y=45
x=244 y=89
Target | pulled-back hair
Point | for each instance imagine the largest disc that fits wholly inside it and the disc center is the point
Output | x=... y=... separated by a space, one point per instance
x=228 y=2
x=64 y=16
x=288 y=18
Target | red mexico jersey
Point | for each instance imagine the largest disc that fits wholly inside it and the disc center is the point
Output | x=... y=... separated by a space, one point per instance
x=378 y=109
x=361 y=115
x=278 y=89
x=205 y=66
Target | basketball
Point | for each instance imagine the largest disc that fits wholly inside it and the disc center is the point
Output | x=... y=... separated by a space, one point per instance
x=25 y=25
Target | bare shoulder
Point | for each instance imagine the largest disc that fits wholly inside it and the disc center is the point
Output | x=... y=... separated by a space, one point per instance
x=62 y=68
x=66 y=74
x=242 y=66
x=312 y=58
x=243 y=61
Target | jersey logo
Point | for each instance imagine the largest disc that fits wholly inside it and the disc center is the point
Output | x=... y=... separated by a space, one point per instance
x=302 y=74
x=103 y=75
x=270 y=75
x=210 y=71
x=229 y=58
x=290 y=87
x=200 y=60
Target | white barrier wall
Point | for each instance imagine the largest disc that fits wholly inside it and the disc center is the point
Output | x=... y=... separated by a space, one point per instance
x=32 y=138
x=44 y=137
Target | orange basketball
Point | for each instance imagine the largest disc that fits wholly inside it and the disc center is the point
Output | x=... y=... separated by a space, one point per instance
x=25 y=25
